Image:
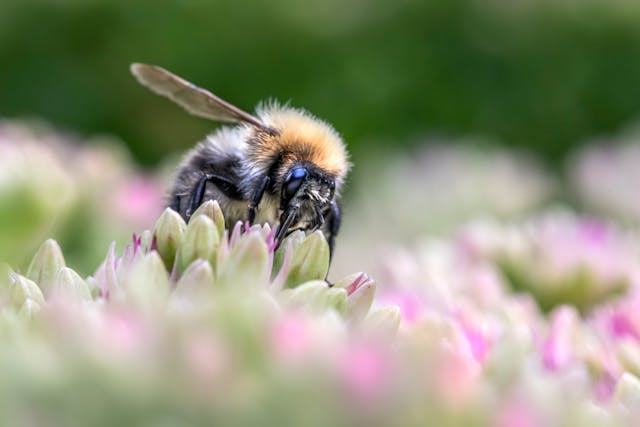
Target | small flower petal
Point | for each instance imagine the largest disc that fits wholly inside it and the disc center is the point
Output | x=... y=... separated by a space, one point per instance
x=360 y=299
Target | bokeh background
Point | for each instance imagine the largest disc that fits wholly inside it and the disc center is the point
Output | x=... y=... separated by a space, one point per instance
x=543 y=76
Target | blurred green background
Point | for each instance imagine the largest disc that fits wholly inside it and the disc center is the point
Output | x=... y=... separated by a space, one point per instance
x=545 y=74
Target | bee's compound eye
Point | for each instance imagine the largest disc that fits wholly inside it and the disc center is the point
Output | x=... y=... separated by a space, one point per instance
x=293 y=182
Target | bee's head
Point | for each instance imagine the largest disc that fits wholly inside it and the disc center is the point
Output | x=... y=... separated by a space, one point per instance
x=306 y=195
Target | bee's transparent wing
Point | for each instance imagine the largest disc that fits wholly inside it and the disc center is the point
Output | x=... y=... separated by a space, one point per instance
x=192 y=98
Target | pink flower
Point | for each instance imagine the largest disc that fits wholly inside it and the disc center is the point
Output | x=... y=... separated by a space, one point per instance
x=621 y=325
x=138 y=202
x=409 y=302
x=557 y=348
x=122 y=332
x=457 y=373
x=290 y=337
x=365 y=370
x=517 y=413
x=207 y=359
x=478 y=342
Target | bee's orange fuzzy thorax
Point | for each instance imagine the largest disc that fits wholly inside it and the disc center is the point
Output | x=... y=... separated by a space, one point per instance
x=306 y=138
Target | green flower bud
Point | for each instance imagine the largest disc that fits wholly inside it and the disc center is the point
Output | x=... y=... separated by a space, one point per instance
x=360 y=293
x=336 y=298
x=629 y=356
x=196 y=279
x=288 y=246
x=147 y=283
x=169 y=232
x=200 y=241
x=45 y=265
x=315 y=296
x=628 y=390
x=211 y=208
x=23 y=289
x=383 y=322
x=310 y=261
x=29 y=309
x=69 y=284
x=247 y=263
x=348 y=280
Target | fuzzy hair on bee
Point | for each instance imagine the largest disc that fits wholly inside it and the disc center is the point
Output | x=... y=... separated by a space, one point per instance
x=281 y=166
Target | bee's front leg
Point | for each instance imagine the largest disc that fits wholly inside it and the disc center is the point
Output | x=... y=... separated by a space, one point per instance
x=256 y=198
x=227 y=187
x=196 y=196
x=175 y=204
x=333 y=220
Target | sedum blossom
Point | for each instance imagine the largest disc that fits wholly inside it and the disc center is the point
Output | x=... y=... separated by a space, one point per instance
x=199 y=324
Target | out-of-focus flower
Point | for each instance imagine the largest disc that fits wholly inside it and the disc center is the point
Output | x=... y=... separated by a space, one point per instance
x=522 y=323
x=435 y=191
x=213 y=330
x=136 y=202
x=85 y=193
x=559 y=258
x=486 y=330
x=605 y=175
x=36 y=190
x=149 y=300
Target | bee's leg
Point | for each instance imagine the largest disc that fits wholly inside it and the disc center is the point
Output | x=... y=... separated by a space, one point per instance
x=334 y=218
x=228 y=188
x=256 y=197
x=196 y=196
x=175 y=204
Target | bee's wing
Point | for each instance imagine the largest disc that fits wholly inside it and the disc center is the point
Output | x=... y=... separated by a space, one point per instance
x=192 y=98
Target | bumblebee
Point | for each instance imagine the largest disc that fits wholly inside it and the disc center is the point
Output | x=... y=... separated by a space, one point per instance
x=280 y=166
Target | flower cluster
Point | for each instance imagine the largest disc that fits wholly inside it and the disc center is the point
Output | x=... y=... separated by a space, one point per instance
x=558 y=258
x=199 y=324
x=527 y=324
x=203 y=321
x=507 y=322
